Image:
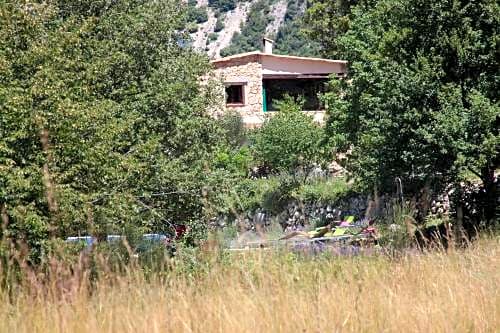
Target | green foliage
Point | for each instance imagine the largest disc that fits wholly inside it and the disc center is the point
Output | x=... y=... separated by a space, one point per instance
x=250 y=37
x=276 y=199
x=236 y=161
x=422 y=100
x=234 y=130
x=290 y=39
x=197 y=14
x=329 y=190
x=192 y=27
x=275 y=192
x=212 y=36
x=290 y=141
x=222 y=5
x=103 y=123
x=245 y=194
x=326 y=20
x=219 y=24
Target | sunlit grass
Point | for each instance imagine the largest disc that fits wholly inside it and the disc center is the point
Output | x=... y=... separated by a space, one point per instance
x=266 y=291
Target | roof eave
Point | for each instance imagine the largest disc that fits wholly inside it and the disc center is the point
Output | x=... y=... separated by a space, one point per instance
x=261 y=54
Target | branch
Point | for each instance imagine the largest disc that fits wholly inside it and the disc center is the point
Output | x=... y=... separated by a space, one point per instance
x=475 y=172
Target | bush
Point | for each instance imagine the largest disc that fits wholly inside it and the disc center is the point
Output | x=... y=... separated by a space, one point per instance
x=219 y=25
x=233 y=127
x=114 y=140
x=192 y=27
x=290 y=141
x=212 y=36
x=323 y=190
x=235 y=161
x=222 y=5
x=197 y=14
x=248 y=194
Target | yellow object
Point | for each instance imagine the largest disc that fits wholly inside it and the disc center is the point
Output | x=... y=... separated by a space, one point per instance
x=349 y=219
x=339 y=231
x=318 y=232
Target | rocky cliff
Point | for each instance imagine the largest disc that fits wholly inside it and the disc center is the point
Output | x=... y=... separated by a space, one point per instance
x=225 y=27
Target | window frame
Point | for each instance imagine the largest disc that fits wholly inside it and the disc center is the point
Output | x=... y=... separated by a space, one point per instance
x=243 y=93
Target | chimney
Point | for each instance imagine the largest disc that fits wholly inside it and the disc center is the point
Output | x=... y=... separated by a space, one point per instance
x=268 y=45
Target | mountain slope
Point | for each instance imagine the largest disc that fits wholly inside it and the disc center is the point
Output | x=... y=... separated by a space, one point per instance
x=226 y=27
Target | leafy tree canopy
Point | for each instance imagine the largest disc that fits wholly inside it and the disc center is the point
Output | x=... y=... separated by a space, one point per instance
x=250 y=37
x=290 y=38
x=326 y=20
x=102 y=119
x=222 y=5
x=421 y=101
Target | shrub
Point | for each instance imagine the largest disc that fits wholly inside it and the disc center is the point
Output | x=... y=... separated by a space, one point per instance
x=233 y=127
x=192 y=27
x=212 y=36
x=222 y=5
x=119 y=134
x=219 y=25
x=197 y=14
x=323 y=190
x=290 y=141
x=236 y=161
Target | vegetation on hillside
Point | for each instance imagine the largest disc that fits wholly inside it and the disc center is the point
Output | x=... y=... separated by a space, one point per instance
x=291 y=38
x=197 y=14
x=222 y=5
x=252 y=31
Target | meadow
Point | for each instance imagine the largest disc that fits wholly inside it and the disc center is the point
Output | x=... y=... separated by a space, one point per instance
x=268 y=291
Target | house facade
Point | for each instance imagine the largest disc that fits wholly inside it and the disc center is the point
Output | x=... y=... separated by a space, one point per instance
x=254 y=81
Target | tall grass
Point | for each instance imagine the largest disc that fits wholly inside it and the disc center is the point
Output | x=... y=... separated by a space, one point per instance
x=267 y=291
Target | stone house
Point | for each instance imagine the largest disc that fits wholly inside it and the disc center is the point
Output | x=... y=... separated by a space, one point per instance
x=254 y=81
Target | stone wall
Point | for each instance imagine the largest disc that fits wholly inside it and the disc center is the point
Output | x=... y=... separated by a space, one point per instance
x=250 y=73
x=302 y=215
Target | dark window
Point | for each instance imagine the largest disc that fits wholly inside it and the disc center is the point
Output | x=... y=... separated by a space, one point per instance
x=234 y=94
x=309 y=89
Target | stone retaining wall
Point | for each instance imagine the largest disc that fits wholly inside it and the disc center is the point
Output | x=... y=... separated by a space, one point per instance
x=298 y=215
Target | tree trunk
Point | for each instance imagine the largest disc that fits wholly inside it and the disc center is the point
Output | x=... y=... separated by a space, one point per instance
x=459 y=228
x=489 y=201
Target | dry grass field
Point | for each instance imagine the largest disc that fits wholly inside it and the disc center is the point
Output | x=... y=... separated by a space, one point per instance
x=278 y=292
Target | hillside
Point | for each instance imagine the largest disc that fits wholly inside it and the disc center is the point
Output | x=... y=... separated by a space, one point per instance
x=226 y=27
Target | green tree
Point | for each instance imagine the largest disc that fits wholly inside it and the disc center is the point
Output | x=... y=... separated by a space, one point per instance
x=250 y=37
x=197 y=14
x=219 y=24
x=102 y=119
x=421 y=103
x=222 y=5
x=326 y=20
x=290 y=141
x=290 y=38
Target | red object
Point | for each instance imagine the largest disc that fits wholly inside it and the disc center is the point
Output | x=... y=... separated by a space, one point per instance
x=180 y=230
x=370 y=230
